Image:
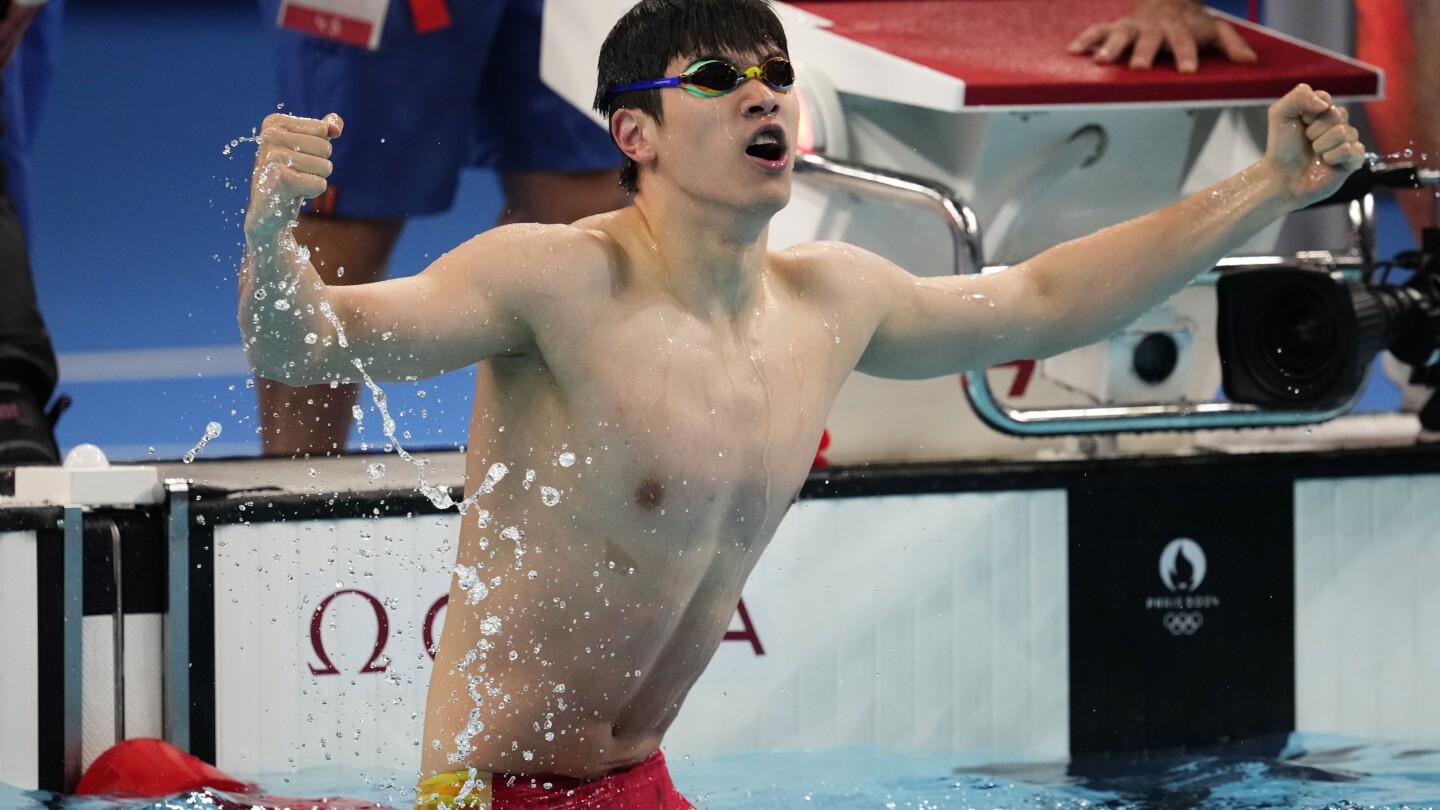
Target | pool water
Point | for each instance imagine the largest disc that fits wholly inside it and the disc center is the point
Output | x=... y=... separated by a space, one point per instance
x=1313 y=772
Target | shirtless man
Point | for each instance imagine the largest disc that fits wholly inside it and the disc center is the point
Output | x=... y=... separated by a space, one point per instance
x=688 y=368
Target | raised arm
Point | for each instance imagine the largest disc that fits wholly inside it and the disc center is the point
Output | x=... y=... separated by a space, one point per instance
x=471 y=304
x=1081 y=291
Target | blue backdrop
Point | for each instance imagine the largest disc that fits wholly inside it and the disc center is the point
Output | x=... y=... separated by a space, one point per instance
x=139 y=185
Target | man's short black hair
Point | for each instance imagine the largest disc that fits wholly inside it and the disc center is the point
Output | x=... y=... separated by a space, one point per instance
x=653 y=33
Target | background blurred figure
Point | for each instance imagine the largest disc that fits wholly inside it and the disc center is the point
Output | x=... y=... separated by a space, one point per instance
x=1182 y=28
x=1398 y=36
x=448 y=87
x=28 y=34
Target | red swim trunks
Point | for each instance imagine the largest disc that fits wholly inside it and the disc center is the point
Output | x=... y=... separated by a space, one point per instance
x=646 y=786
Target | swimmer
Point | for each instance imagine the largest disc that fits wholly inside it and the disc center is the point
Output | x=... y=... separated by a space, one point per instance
x=688 y=369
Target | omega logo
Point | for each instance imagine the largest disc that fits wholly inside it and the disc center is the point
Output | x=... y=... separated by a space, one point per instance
x=376 y=663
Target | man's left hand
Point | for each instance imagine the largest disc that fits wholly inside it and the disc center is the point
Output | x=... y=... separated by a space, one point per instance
x=1311 y=144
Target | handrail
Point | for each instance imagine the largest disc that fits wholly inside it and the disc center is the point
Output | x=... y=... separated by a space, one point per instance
x=969 y=259
x=117 y=630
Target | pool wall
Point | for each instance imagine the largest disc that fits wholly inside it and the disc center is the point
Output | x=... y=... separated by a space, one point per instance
x=1017 y=611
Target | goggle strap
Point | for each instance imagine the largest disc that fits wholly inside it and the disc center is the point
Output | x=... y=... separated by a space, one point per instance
x=648 y=84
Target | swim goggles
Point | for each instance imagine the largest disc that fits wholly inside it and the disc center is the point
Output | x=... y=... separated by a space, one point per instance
x=711 y=78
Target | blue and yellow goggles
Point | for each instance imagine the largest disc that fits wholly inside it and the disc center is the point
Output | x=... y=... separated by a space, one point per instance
x=711 y=78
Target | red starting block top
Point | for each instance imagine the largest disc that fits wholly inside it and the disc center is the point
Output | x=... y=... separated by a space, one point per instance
x=1013 y=53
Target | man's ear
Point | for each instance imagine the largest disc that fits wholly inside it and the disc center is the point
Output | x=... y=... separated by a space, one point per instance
x=629 y=129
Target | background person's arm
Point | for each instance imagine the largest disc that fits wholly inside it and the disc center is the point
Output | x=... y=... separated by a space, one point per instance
x=1081 y=291
x=296 y=330
x=1182 y=27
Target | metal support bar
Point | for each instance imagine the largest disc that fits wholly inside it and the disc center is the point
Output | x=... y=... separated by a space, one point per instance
x=177 y=615
x=118 y=630
x=72 y=642
x=863 y=180
x=866 y=180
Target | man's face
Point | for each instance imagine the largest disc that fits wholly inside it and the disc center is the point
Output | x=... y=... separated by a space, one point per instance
x=736 y=149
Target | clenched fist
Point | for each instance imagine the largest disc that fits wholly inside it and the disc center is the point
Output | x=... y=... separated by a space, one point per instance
x=291 y=165
x=1311 y=144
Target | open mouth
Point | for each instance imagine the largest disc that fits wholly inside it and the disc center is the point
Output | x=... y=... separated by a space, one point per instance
x=768 y=144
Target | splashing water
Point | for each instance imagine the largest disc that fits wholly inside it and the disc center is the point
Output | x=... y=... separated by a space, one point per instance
x=339 y=330
x=440 y=496
x=514 y=535
x=475 y=590
x=493 y=476
x=233 y=145
x=212 y=431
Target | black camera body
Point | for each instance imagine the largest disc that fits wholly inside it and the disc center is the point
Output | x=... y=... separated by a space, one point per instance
x=1300 y=338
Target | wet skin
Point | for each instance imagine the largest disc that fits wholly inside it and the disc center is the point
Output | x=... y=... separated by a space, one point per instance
x=694 y=419
x=701 y=432
x=690 y=371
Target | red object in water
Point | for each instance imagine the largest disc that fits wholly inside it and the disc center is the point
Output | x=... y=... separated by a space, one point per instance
x=146 y=768
x=820 y=461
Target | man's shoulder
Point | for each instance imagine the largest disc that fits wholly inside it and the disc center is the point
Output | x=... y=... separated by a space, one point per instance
x=825 y=263
x=543 y=259
x=579 y=243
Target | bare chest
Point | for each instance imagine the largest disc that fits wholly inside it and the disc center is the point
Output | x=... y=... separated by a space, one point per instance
x=719 y=428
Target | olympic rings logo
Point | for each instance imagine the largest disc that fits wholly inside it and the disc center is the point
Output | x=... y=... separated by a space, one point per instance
x=1183 y=622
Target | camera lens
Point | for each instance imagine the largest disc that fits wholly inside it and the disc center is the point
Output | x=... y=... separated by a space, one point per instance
x=1298 y=338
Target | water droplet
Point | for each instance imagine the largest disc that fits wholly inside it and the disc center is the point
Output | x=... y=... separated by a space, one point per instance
x=377 y=470
x=312 y=338
x=212 y=431
x=282 y=304
x=567 y=459
x=357 y=412
x=549 y=496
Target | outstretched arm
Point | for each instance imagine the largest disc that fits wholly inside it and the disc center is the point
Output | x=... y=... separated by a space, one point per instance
x=1183 y=27
x=468 y=305
x=1081 y=291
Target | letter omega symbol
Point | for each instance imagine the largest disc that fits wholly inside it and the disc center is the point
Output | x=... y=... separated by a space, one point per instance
x=382 y=634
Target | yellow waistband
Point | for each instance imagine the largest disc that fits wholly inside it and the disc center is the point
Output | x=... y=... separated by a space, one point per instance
x=468 y=789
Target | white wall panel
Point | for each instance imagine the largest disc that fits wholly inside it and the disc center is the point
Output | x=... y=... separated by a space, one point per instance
x=19 y=677
x=1367 y=621
x=272 y=712
x=144 y=700
x=934 y=621
x=923 y=621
